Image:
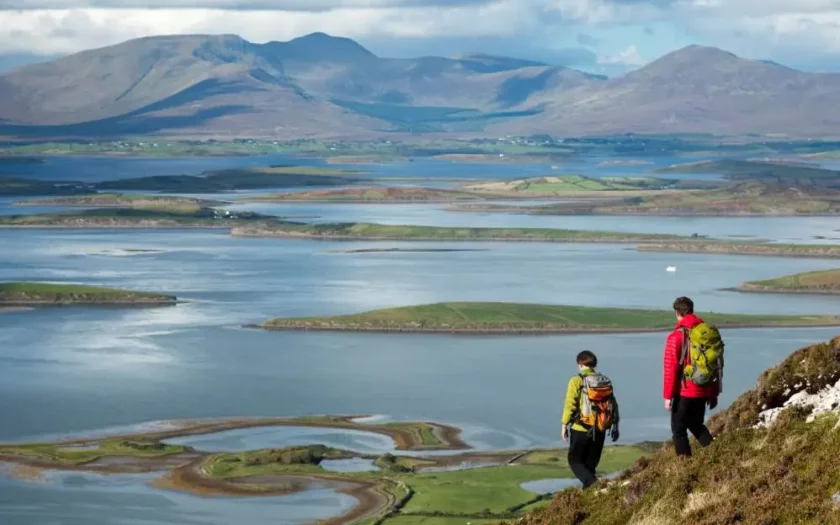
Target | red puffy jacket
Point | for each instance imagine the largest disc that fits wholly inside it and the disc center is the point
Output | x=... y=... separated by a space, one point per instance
x=674 y=385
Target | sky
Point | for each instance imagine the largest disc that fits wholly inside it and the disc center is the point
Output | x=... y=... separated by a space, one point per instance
x=602 y=36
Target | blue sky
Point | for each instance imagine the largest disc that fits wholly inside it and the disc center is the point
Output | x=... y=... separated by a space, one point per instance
x=604 y=36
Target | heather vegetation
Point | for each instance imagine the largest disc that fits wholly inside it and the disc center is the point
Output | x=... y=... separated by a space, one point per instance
x=782 y=474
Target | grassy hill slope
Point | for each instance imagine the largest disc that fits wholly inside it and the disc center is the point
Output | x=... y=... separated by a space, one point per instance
x=783 y=474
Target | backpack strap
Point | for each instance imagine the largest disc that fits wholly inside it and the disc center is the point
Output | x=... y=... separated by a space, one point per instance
x=685 y=354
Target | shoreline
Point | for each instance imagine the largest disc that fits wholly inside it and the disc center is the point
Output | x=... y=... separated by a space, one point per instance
x=31 y=305
x=810 y=251
x=235 y=232
x=780 y=291
x=522 y=331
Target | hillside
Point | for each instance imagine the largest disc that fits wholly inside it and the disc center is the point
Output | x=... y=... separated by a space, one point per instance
x=773 y=461
x=324 y=86
x=313 y=85
x=695 y=90
x=752 y=198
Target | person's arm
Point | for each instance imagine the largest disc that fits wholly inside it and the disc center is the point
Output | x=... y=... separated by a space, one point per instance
x=570 y=407
x=670 y=365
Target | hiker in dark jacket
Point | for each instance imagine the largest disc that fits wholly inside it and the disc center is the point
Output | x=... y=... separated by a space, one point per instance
x=587 y=441
x=685 y=400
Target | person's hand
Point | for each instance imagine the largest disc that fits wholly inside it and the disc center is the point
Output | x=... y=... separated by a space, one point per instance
x=565 y=433
x=712 y=402
x=614 y=434
x=668 y=405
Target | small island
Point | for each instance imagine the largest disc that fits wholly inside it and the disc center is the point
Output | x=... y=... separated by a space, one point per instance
x=820 y=251
x=124 y=200
x=773 y=172
x=819 y=282
x=26 y=294
x=21 y=187
x=372 y=194
x=375 y=232
x=516 y=318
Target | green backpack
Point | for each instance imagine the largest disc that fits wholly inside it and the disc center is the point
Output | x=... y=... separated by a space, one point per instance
x=702 y=355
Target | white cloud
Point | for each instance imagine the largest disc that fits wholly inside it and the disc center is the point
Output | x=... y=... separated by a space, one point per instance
x=628 y=57
x=750 y=27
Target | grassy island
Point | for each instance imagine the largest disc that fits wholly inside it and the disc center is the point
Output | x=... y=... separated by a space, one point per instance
x=367 y=231
x=124 y=200
x=33 y=294
x=372 y=194
x=525 y=318
x=236 y=179
x=163 y=216
x=820 y=282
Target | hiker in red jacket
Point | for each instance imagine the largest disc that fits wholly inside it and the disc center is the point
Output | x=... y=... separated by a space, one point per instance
x=685 y=400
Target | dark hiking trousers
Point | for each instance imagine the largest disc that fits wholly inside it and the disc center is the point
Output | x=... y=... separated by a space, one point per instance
x=585 y=454
x=688 y=414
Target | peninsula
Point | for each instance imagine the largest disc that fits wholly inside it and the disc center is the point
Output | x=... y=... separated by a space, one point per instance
x=820 y=282
x=516 y=318
x=571 y=185
x=15 y=294
x=820 y=251
x=124 y=200
x=744 y=199
x=373 y=232
x=750 y=170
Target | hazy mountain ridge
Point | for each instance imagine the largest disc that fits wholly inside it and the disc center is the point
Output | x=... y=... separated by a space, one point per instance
x=319 y=85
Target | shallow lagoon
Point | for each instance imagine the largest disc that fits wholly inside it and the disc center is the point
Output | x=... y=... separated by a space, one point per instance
x=74 y=498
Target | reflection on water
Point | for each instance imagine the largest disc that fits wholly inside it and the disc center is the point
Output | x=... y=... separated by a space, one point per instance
x=279 y=437
x=349 y=465
x=93 y=499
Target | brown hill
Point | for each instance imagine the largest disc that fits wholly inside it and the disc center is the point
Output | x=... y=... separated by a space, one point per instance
x=319 y=85
x=697 y=89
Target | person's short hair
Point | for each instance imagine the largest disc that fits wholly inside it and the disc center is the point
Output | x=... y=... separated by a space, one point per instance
x=684 y=306
x=587 y=358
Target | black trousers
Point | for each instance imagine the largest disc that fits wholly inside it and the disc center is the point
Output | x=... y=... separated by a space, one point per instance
x=688 y=415
x=585 y=454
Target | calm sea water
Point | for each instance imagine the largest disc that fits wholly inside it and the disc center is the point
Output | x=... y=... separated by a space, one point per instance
x=72 y=370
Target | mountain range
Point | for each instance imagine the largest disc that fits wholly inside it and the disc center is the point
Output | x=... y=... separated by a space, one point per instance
x=223 y=86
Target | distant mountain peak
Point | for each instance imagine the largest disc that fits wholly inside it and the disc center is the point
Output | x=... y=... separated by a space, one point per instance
x=321 y=46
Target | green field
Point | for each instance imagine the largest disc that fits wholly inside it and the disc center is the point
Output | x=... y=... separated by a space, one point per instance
x=571 y=184
x=68 y=455
x=515 y=317
x=825 y=281
x=355 y=230
x=32 y=292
